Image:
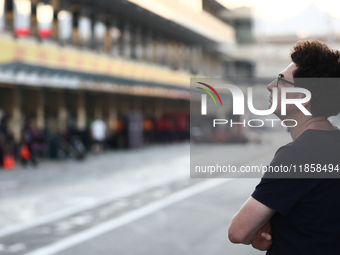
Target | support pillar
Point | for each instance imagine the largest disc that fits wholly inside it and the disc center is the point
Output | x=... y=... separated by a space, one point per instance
x=148 y=108
x=137 y=104
x=124 y=104
x=98 y=110
x=159 y=107
x=127 y=40
x=15 y=121
x=113 y=112
x=149 y=46
x=115 y=36
x=138 y=43
x=40 y=110
x=62 y=113
x=81 y=111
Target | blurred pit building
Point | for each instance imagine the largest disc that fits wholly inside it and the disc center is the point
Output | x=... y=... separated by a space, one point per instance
x=68 y=62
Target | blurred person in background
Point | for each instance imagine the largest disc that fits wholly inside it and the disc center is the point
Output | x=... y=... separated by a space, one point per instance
x=182 y=126
x=160 y=129
x=293 y=215
x=27 y=153
x=39 y=145
x=98 y=133
x=2 y=139
x=121 y=133
x=166 y=129
x=116 y=134
x=2 y=145
x=7 y=144
x=149 y=131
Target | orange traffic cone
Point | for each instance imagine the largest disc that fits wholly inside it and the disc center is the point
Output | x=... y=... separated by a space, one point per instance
x=8 y=162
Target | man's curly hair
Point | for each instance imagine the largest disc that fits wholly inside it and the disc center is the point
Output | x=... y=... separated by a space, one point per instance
x=315 y=60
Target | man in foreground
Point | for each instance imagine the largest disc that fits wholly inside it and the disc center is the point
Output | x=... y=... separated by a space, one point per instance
x=300 y=215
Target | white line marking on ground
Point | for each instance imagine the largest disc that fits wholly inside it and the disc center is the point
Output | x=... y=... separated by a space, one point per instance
x=80 y=208
x=127 y=218
x=16 y=247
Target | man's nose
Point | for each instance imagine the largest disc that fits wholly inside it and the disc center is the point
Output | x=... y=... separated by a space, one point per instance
x=270 y=86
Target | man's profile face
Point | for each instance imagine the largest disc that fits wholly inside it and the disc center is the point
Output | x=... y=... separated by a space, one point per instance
x=286 y=74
